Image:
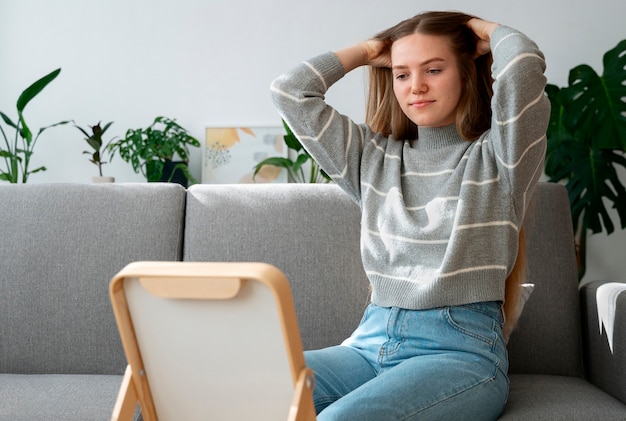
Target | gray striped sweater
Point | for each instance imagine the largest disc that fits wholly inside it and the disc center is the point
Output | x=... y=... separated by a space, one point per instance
x=440 y=215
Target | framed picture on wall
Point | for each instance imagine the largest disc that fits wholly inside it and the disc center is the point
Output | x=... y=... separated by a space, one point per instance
x=230 y=154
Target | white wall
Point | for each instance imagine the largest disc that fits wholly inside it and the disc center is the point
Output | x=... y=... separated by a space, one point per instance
x=209 y=62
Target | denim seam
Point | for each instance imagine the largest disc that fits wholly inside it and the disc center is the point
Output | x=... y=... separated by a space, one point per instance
x=466 y=389
x=395 y=336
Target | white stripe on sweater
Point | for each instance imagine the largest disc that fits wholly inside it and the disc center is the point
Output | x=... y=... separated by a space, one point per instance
x=515 y=60
x=381 y=149
x=426 y=174
x=486 y=224
x=518 y=116
x=378 y=192
x=481 y=183
x=440 y=199
x=318 y=74
x=473 y=269
x=506 y=37
x=286 y=95
x=405 y=239
x=515 y=164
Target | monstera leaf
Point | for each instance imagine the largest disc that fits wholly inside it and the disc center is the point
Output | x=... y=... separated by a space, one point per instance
x=595 y=107
x=591 y=180
x=586 y=144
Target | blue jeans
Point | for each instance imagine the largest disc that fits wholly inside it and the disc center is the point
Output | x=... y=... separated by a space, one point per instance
x=446 y=363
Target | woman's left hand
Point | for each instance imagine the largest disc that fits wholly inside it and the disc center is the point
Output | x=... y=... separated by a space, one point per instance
x=483 y=30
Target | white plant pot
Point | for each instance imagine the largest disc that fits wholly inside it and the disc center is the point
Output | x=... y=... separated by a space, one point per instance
x=103 y=179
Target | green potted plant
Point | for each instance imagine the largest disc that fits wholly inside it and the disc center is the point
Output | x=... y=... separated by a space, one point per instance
x=18 y=148
x=94 y=139
x=160 y=151
x=586 y=144
x=295 y=167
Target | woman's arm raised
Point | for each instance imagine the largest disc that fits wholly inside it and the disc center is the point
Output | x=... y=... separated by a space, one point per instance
x=372 y=52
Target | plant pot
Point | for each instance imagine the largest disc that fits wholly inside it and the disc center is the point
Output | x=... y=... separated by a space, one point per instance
x=174 y=175
x=102 y=179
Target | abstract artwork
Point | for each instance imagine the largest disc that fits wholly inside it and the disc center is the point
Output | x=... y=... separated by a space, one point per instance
x=231 y=153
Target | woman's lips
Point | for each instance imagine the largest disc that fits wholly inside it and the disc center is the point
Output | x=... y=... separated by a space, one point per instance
x=421 y=103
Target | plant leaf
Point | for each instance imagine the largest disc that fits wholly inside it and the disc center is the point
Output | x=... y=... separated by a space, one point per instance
x=594 y=108
x=83 y=130
x=275 y=161
x=7 y=120
x=592 y=181
x=106 y=126
x=29 y=93
x=290 y=139
x=60 y=123
x=37 y=170
x=300 y=161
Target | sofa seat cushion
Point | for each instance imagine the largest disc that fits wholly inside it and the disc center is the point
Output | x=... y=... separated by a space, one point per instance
x=553 y=398
x=68 y=397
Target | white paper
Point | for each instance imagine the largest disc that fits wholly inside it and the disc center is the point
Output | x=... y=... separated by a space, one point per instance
x=606 y=299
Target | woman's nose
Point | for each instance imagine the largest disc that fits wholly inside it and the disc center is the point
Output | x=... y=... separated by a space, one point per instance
x=418 y=85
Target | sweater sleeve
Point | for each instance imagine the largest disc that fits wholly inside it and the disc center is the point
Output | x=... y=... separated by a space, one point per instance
x=332 y=139
x=521 y=112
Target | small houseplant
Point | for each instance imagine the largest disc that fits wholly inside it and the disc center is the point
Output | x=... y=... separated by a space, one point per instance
x=586 y=144
x=295 y=168
x=160 y=151
x=18 y=148
x=94 y=139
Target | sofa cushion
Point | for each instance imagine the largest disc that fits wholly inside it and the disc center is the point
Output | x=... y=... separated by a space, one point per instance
x=547 y=339
x=62 y=243
x=310 y=232
x=67 y=397
x=559 y=398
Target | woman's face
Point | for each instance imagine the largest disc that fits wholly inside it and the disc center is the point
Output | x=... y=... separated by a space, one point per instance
x=426 y=79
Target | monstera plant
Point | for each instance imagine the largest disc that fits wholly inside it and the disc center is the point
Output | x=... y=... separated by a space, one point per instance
x=586 y=145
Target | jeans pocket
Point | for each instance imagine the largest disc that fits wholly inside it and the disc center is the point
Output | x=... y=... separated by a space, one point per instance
x=472 y=323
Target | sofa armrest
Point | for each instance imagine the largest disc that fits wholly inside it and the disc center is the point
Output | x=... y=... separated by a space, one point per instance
x=604 y=335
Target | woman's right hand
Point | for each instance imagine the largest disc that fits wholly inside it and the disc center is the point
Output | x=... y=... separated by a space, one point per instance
x=372 y=52
x=378 y=53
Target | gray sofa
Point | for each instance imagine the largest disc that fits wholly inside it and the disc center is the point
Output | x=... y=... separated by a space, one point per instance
x=60 y=355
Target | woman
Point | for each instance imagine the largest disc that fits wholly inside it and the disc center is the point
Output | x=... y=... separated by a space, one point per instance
x=443 y=173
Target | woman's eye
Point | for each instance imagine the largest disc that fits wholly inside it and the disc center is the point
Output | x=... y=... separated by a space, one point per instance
x=400 y=76
x=433 y=71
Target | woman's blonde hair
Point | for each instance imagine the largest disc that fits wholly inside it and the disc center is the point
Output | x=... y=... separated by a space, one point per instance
x=383 y=112
x=513 y=287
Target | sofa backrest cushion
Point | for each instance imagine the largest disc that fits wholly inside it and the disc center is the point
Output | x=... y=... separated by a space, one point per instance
x=311 y=232
x=548 y=337
x=61 y=245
